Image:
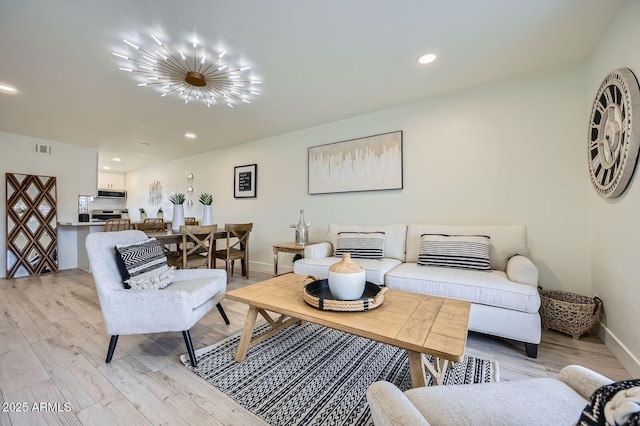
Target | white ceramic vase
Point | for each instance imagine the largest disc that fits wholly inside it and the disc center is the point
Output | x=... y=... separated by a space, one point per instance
x=178 y=217
x=346 y=279
x=207 y=215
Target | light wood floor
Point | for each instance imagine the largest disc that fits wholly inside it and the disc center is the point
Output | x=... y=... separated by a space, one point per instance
x=53 y=347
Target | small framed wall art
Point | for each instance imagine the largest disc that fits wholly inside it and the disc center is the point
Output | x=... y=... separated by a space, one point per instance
x=245 y=181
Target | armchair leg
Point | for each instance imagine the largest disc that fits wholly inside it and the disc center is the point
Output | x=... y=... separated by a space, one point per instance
x=222 y=312
x=112 y=347
x=192 y=354
x=532 y=350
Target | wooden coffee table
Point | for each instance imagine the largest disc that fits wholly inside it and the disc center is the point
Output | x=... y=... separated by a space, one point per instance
x=419 y=323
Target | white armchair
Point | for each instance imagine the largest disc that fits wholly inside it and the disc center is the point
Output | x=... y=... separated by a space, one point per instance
x=540 y=401
x=177 y=307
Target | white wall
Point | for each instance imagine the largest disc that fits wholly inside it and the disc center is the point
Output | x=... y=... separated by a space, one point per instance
x=508 y=153
x=75 y=169
x=614 y=225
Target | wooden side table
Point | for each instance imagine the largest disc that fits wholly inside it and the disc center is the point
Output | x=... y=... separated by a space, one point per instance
x=289 y=247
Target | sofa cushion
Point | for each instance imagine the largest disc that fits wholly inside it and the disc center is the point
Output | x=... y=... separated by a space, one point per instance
x=200 y=290
x=540 y=401
x=505 y=240
x=488 y=288
x=375 y=270
x=361 y=245
x=455 y=251
x=394 y=237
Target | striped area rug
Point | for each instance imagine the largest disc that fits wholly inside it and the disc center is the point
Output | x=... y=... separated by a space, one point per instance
x=312 y=375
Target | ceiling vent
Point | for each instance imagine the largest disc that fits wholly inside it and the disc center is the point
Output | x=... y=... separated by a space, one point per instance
x=43 y=149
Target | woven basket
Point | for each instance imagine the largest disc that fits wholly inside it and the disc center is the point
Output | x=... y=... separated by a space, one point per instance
x=569 y=313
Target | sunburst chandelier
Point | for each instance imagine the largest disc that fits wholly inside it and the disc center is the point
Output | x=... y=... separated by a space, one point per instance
x=194 y=76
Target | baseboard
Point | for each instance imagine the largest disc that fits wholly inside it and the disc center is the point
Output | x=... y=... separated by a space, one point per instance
x=268 y=267
x=626 y=358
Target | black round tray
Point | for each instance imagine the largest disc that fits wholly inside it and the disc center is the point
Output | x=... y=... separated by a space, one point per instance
x=318 y=295
x=320 y=289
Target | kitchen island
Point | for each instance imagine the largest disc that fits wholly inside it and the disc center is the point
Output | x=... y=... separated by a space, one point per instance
x=73 y=234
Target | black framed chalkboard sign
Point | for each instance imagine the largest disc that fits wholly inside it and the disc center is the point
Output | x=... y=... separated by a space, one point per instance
x=245 y=181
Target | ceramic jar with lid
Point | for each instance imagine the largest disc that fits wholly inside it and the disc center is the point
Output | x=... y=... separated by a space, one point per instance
x=346 y=279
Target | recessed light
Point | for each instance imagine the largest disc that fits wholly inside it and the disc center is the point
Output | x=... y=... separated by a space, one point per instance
x=116 y=159
x=427 y=59
x=190 y=135
x=7 y=88
x=107 y=168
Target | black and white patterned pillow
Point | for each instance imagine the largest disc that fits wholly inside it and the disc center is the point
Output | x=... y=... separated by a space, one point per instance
x=361 y=245
x=455 y=251
x=143 y=265
x=614 y=404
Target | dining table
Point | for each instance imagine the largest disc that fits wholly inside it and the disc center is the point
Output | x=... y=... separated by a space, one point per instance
x=172 y=237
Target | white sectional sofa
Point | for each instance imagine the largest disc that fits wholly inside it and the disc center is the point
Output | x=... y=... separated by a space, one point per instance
x=504 y=300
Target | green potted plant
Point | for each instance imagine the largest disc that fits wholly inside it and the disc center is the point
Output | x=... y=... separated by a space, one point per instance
x=143 y=214
x=177 y=199
x=160 y=213
x=206 y=200
x=125 y=213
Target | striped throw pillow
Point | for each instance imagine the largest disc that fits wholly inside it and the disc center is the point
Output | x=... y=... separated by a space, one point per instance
x=143 y=265
x=455 y=251
x=361 y=245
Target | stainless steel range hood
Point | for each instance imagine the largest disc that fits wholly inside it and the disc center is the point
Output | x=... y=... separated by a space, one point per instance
x=111 y=193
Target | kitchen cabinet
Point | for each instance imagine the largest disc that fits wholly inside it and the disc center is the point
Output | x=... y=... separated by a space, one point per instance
x=110 y=181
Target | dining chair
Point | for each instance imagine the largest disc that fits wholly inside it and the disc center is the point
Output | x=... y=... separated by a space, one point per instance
x=239 y=249
x=196 y=247
x=189 y=296
x=190 y=221
x=112 y=225
x=152 y=224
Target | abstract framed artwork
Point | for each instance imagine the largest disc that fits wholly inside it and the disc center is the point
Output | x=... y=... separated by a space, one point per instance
x=245 y=181
x=372 y=163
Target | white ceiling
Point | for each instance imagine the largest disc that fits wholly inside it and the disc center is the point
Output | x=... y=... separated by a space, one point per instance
x=319 y=60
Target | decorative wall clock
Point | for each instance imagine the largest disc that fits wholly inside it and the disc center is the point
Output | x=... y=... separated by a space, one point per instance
x=614 y=133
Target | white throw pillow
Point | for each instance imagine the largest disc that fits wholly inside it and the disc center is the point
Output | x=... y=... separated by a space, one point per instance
x=361 y=245
x=455 y=251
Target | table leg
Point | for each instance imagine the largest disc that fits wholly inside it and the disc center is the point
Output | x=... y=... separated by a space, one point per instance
x=437 y=369
x=416 y=370
x=247 y=332
x=275 y=262
x=418 y=363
